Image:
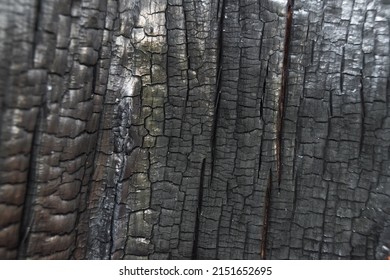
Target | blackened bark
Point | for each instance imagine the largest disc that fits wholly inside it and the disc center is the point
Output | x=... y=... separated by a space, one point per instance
x=207 y=129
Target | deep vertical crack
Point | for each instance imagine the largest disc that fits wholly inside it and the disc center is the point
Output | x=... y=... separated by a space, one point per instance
x=218 y=86
x=28 y=211
x=38 y=9
x=283 y=90
x=342 y=67
x=198 y=211
x=362 y=113
x=187 y=58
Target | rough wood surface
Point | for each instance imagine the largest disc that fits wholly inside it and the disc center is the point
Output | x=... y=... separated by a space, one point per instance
x=194 y=129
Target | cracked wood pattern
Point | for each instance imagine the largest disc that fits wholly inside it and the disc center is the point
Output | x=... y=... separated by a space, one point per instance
x=194 y=129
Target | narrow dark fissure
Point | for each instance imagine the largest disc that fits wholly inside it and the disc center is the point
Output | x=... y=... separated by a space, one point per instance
x=94 y=76
x=198 y=211
x=36 y=29
x=27 y=219
x=363 y=113
x=218 y=86
x=342 y=66
x=27 y=213
x=283 y=91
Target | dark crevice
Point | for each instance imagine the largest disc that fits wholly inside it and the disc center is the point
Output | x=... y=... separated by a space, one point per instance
x=363 y=113
x=28 y=211
x=307 y=33
x=36 y=29
x=342 y=66
x=266 y=213
x=264 y=92
x=296 y=174
x=198 y=211
x=312 y=52
x=283 y=91
x=261 y=109
x=218 y=87
x=265 y=78
x=27 y=219
x=187 y=58
x=94 y=76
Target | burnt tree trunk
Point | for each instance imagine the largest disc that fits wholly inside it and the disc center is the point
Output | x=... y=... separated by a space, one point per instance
x=194 y=129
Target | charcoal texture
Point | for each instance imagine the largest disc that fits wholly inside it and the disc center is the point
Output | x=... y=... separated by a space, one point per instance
x=194 y=129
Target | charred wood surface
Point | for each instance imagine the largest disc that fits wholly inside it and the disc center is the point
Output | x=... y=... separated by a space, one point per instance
x=194 y=129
